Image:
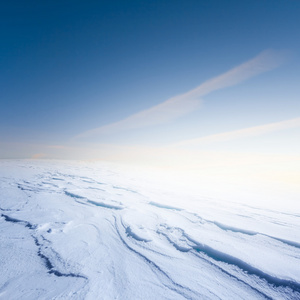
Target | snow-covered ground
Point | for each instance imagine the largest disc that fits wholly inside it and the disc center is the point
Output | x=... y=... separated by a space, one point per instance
x=87 y=231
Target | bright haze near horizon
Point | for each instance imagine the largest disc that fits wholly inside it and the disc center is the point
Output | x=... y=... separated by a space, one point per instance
x=209 y=88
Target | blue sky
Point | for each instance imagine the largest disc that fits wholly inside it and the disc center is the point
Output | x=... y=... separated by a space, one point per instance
x=140 y=80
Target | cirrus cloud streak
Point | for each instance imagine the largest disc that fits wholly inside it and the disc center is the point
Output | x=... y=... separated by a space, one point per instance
x=242 y=133
x=183 y=104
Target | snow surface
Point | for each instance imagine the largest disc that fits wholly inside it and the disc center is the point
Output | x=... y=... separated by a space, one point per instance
x=86 y=231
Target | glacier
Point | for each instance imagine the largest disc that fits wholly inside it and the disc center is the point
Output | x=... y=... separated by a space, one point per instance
x=82 y=230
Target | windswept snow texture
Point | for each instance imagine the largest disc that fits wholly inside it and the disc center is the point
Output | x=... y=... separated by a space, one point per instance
x=83 y=231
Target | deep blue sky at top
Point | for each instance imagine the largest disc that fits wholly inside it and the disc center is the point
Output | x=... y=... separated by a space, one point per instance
x=69 y=66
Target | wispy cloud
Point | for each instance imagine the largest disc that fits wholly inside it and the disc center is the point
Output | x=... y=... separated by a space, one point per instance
x=241 y=133
x=183 y=104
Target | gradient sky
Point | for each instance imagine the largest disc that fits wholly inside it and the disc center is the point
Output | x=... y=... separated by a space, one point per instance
x=154 y=80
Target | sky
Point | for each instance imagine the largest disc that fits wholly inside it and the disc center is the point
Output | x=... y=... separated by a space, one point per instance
x=211 y=86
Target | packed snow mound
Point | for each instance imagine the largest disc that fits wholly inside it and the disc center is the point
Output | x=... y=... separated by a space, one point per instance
x=86 y=231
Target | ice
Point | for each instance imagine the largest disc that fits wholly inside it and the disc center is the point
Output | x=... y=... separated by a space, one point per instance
x=71 y=230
